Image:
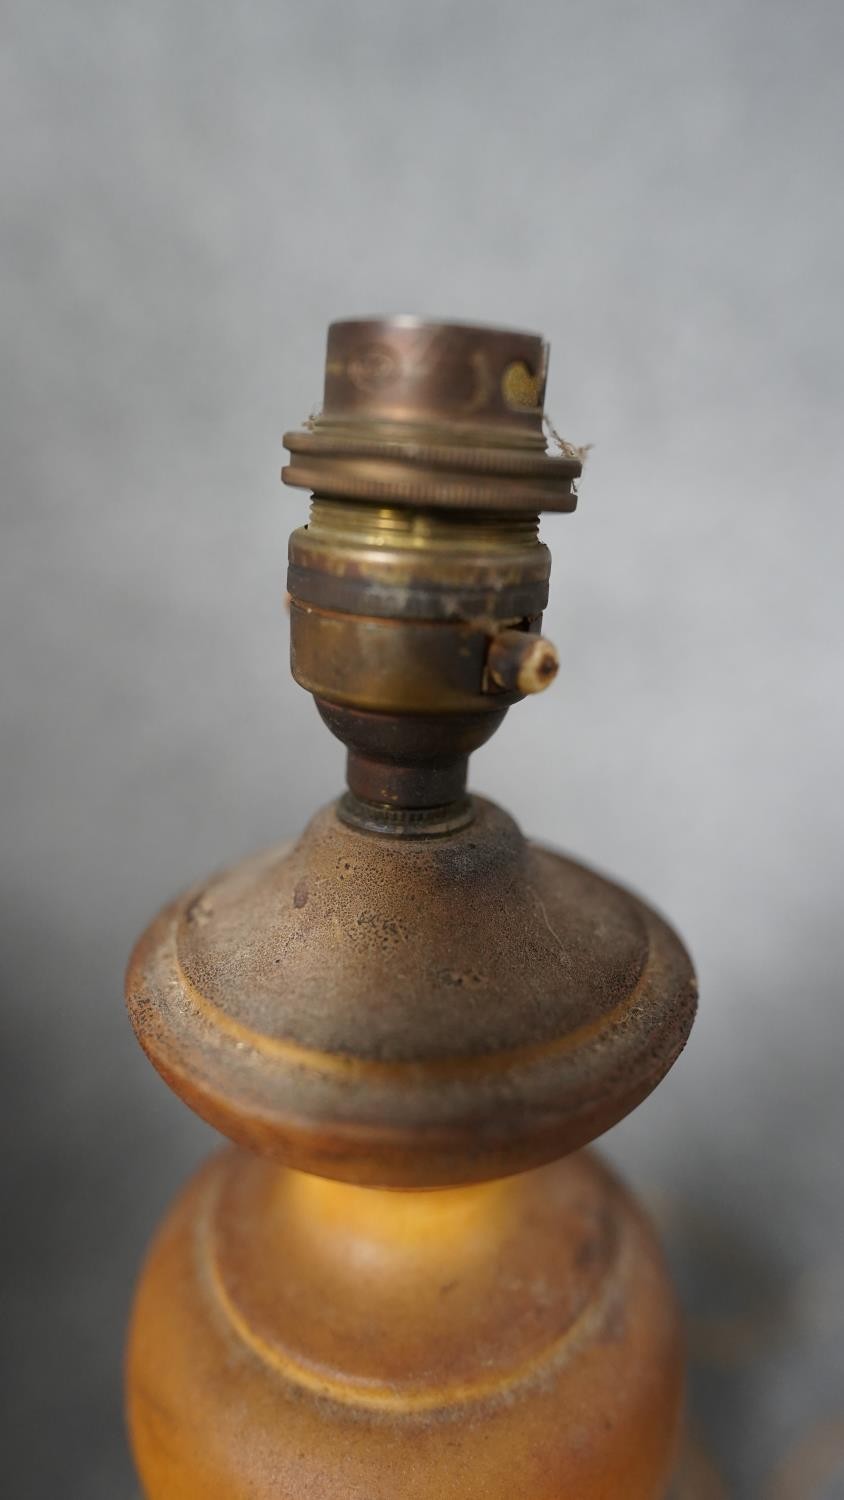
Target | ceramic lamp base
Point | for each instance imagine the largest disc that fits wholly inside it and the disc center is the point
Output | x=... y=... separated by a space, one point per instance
x=294 y=1338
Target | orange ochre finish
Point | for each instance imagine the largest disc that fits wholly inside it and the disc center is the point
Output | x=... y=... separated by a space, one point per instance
x=296 y=1338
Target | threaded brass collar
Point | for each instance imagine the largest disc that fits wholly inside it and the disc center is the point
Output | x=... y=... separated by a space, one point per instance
x=433 y=414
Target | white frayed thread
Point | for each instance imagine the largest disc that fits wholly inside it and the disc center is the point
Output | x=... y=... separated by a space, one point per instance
x=568 y=450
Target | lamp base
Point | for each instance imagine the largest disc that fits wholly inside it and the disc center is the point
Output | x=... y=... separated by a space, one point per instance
x=295 y=1337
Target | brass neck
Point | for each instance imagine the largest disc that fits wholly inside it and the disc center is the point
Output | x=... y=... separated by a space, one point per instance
x=343 y=522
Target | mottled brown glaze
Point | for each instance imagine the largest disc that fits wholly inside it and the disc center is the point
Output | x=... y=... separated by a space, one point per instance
x=411 y=1013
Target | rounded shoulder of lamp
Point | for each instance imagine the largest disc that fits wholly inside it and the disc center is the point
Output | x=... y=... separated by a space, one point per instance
x=411 y=1012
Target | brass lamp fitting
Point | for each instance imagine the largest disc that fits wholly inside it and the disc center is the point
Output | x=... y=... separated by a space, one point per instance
x=418 y=586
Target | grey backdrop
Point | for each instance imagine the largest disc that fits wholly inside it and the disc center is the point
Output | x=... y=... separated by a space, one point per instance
x=192 y=191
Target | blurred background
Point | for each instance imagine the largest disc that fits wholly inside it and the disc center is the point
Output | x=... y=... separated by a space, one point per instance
x=191 y=192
